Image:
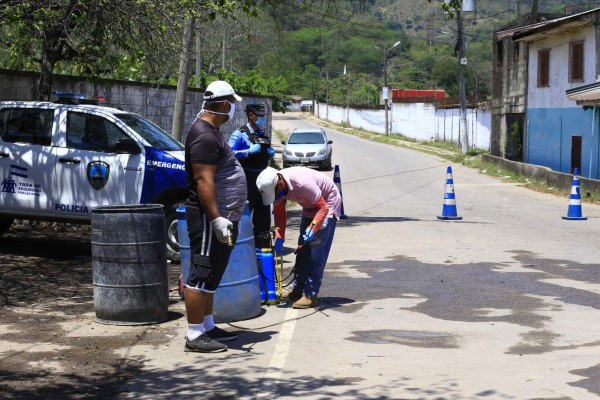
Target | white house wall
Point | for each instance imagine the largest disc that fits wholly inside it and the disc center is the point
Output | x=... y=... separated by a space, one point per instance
x=418 y=121
x=554 y=96
x=552 y=119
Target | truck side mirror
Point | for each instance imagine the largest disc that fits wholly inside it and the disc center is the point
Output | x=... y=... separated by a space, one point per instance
x=283 y=142
x=127 y=146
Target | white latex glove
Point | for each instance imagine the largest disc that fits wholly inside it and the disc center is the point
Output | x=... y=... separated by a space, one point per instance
x=222 y=228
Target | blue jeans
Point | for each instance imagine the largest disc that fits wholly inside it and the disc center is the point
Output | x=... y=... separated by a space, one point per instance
x=312 y=258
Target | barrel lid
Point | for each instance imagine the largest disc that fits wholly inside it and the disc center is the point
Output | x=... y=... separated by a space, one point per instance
x=126 y=208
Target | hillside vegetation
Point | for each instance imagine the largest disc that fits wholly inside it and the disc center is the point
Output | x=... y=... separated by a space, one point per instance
x=334 y=50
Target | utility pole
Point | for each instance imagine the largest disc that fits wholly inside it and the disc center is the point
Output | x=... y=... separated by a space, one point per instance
x=385 y=85
x=385 y=94
x=462 y=61
x=327 y=96
x=348 y=100
x=182 y=81
x=198 y=57
x=223 y=61
x=315 y=90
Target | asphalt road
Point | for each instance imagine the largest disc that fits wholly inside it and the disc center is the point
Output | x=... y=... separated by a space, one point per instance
x=501 y=305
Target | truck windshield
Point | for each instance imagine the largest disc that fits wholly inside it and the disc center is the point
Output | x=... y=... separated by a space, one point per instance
x=151 y=133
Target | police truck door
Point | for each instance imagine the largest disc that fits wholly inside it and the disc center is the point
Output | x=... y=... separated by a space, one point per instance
x=26 y=159
x=89 y=171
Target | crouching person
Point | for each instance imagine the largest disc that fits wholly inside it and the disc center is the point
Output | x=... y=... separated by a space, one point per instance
x=321 y=206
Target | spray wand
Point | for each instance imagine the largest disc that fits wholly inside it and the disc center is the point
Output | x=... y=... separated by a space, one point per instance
x=229 y=241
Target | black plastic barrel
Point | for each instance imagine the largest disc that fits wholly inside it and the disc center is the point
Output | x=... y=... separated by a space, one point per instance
x=129 y=264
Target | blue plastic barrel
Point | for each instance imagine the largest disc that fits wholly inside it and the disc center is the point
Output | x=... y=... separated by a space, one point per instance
x=266 y=269
x=184 y=249
x=238 y=295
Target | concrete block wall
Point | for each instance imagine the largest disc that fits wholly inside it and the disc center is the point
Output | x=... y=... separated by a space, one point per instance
x=479 y=126
x=16 y=86
x=155 y=102
x=545 y=174
x=419 y=121
x=414 y=120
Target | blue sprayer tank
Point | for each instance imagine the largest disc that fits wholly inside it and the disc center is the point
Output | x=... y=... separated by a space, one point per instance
x=266 y=275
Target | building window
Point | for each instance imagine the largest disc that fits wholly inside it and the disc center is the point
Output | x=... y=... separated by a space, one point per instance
x=499 y=54
x=576 y=61
x=543 y=78
x=516 y=53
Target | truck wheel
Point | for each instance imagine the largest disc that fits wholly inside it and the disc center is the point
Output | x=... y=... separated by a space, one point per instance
x=172 y=234
x=5 y=224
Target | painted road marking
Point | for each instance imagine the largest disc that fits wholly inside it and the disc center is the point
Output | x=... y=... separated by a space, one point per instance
x=271 y=380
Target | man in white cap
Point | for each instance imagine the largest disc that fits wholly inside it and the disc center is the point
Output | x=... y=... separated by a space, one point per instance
x=321 y=206
x=217 y=197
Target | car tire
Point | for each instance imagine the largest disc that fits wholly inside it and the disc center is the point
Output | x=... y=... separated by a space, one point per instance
x=5 y=224
x=327 y=167
x=172 y=235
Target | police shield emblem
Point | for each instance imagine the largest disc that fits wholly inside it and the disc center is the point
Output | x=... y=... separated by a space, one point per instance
x=97 y=174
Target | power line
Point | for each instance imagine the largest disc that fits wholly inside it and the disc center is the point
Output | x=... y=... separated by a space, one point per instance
x=328 y=16
x=356 y=25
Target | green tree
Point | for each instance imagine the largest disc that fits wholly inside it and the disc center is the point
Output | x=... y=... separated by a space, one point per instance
x=445 y=74
x=253 y=82
x=479 y=70
x=361 y=55
x=306 y=46
x=89 y=34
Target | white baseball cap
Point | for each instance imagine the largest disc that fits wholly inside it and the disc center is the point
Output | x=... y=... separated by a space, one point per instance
x=266 y=182
x=220 y=89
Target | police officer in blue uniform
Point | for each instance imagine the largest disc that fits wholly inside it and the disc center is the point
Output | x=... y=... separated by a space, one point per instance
x=253 y=149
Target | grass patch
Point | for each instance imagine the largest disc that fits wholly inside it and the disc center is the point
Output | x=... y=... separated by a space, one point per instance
x=281 y=135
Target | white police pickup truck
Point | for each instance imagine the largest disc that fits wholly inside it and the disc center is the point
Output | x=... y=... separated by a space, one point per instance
x=58 y=161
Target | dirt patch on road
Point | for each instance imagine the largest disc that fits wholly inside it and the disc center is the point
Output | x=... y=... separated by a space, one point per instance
x=50 y=344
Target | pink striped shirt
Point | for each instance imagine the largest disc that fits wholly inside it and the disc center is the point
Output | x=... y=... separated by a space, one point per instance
x=306 y=186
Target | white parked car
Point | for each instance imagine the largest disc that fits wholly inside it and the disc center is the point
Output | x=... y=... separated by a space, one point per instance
x=58 y=161
x=308 y=147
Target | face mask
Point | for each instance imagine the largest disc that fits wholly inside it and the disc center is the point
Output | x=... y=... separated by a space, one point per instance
x=280 y=194
x=261 y=122
x=201 y=110
x=229 y=114
x=231 y=111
